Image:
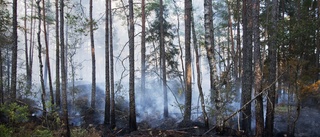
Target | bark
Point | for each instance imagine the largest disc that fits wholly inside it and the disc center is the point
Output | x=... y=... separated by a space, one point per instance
x=182 y=80
x=143 y=52
x=1 y=78
x=188 y=89
x=132 y=105
x=196 y=49
x=14 y=51
x=112 y=103
x=209 y=45
x=257 y=71
x=272 y=69
x=58 y=96
x=318 y=43
x=247 y=66
x=93 y=60
x=31 y=44
x=233 y=54
x=65 y=119
x=163 y=63
x=43 y=89
x=28 y=86
x=47 y=51
x=107 y=74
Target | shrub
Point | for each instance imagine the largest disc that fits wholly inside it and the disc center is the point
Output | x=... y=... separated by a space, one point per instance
x=14 y=113
x=5 y=131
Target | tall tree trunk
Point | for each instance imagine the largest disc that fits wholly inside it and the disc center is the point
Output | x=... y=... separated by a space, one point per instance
x=31 y=49
x=163 y=63
x=58 y=96
x=247 y=65
x=65 y=119
x=28 y=86
x=196 y=49
x=188 y=89
x=14 y=51
x=107 y=74
x=47 y=51
x=112 y=103
x=209 y=45
x=257 y=70
x=132 y=104
x=182 y=80
x=143 y=53
x=43 y=89
x=93 y=60
x=272 y=57
x=233 y=53
x=1 y=78
x=318 y=43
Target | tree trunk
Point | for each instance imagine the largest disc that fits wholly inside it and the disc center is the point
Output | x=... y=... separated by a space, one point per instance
x=163 y=63
x=318 y=43
x=107 y=74
x=93 y=60
x=196 y=49
x=28 y=85
x=257 y=70
x=233 y=53
x=1 y=79
x=43 y=89
x=132 y=104
x=209 y=45
x=14 y=51
x=272 y=69
x=112 y=103
x=47 y=51
x=65 y=119
x=188 y=89
x=143 y=53
x=247 y=66
x=182 y=80
x=31 y=45
x=58 y=96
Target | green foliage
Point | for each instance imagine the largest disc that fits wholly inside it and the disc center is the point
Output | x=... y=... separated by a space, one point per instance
x=79 y=132
x=14 y=112
x=5 y=131
x=42 y=133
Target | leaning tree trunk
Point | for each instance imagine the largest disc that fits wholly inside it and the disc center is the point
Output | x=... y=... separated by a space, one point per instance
x=196 y=49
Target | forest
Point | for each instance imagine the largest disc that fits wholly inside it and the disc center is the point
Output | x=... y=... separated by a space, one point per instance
x=91 y=68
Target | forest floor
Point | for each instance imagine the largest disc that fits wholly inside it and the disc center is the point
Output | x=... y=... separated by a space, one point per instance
x=306 y=125
x=84 y=123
